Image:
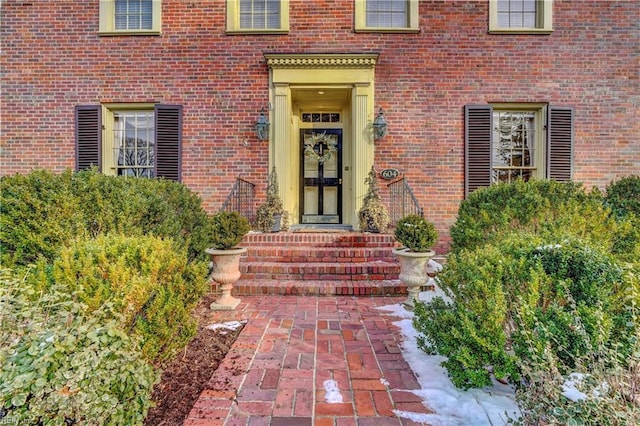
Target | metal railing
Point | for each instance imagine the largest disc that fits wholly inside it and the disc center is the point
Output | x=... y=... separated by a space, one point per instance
x=241 y=199
x=402 y=202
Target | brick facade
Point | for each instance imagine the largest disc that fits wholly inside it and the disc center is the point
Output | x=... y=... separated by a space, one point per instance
x=53 y=59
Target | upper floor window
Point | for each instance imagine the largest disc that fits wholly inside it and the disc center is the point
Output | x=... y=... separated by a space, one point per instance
x=520 y=16
x=130 y=17
x=257 y=16
x=386 y=15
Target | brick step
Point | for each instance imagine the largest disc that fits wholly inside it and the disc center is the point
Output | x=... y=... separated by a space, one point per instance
x=319 y=254
x=320 y=271
x=323 y=239
x=251 y=287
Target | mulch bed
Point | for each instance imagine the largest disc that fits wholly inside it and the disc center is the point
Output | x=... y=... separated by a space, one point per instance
x=185 y=377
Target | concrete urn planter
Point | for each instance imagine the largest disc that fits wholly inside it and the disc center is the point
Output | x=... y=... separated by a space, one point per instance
x=413 y=271
x=226 y=271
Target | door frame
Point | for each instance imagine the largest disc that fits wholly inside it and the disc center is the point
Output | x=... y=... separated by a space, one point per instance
x=352 y=71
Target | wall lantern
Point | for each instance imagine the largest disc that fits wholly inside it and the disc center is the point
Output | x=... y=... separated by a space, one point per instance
x=262 y=127
x=379 y=126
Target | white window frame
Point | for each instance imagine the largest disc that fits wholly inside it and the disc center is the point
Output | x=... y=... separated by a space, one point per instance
x=545 y=7
x=108 y=20
x=360 y=15
x=540 y=135
x=233 y=20
x=109 y=162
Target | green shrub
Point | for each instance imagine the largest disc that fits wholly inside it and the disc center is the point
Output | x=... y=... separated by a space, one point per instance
x=146 y=279
x=470 y=329
x=61 y=365
x=608 y=378
x=569 y=293
x=38 y=212
x=623 y=196
x=228 y=229
x=416 y=233
x=41 y=211
x=539 y=206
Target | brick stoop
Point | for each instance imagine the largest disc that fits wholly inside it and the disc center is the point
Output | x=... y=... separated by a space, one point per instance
x=319 y=264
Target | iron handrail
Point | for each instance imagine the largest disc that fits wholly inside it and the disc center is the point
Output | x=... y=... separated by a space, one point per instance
x=402 y=201
x=241 y=199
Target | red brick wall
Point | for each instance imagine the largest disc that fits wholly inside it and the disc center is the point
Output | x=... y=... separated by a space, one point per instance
x=53 y=59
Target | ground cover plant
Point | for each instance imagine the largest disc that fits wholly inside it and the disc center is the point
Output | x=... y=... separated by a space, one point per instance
x=542 y=287
x=101 y=276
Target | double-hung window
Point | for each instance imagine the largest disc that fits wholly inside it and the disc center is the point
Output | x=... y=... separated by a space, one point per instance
x=135 y=140
x=258 y=16
x=386 y=15
x=505 y=142
x=141 y=17
x=520 y=16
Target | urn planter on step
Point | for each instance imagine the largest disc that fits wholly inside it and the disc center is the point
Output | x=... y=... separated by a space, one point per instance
x=413 y=271
x=417 y=235
x=226 y=272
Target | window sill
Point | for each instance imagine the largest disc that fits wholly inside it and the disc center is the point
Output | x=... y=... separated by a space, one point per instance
x=129 y=33
x=388 y=30
x=542 y=31
x=256 y=32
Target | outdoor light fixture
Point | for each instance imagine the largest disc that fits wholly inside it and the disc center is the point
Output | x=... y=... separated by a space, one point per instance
x=379 y=126
x=262 y=127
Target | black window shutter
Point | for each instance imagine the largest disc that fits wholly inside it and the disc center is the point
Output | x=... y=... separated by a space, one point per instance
x=477 y=147
x=168 y=142
x=88 y=137
x=560 y=143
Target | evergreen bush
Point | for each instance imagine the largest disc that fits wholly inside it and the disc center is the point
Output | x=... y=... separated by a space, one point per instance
x=373 y=214
x=149 y=282
x=228 y=229
x=416 y=233
x=42 y=210
x=539 y=206
x=567 y=294
x=623 y=196
x=61 y=365
x=272 y=209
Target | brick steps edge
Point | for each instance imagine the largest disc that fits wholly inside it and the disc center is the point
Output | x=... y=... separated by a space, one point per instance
x=316 y=288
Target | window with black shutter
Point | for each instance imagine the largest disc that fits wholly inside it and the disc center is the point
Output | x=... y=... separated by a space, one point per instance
x=504 y=142
x=137 y=140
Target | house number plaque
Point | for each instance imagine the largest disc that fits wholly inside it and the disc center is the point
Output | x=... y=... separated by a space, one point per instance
x=389 y=174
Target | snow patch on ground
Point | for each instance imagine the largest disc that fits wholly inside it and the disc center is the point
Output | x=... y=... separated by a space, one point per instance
x=226 y=326
x=332 y=392
x=489 y=406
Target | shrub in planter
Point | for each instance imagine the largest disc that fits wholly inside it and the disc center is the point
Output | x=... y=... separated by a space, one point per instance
x=416 y=233
x=271 y=216
x=228 y=229
x=373 y=214
x=62 y=365
x=146 y=279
